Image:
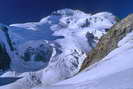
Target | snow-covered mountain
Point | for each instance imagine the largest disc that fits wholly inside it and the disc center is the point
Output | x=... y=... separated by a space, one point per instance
x=66 y=34
x=52 y=49
x=114 y=71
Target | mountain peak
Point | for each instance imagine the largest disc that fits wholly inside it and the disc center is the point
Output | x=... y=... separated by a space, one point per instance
x=57 y=45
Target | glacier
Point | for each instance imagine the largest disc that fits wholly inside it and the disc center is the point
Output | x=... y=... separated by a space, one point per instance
x=52 y=49
x=112 y=72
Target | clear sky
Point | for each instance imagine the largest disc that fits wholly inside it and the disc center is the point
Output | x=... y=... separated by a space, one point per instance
x=20 y=11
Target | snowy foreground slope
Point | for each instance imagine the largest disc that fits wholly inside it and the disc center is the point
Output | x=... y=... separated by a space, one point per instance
x=113 y=72
x=45 y=52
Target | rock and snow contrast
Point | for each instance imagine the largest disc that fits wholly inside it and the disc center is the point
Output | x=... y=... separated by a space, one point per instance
x=49 y=54
x=114 y=71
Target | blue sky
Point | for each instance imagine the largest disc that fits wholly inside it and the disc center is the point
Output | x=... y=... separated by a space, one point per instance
x=20 y=11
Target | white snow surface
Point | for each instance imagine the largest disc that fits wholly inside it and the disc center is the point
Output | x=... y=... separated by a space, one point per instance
x=113 y=72
x=64 y=38
x=71 y=34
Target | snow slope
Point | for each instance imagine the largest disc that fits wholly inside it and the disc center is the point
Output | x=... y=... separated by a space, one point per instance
x=113 y=72
x=56 y=46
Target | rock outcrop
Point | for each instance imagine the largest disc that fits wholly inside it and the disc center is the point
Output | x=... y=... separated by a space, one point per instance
x=109 y=41
x=4 y=58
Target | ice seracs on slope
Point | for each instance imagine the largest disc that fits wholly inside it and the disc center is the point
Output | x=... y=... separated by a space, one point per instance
x=114 y=71
x=60 y=41
x=69 y=31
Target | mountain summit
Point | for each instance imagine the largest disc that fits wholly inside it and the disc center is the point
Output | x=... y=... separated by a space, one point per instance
x=85 y=50
x=65 y=36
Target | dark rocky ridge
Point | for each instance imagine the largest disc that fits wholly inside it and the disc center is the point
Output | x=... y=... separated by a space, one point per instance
x=4 y=58
x=109 y=41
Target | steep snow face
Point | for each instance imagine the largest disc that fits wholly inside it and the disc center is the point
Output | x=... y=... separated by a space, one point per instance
x=70 y=32
x=114 y=71
x=60 y=41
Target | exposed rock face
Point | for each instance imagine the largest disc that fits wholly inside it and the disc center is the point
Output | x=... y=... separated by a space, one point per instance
x=9 y=41
x=109 y=41
x=4 y=58
x=36 y=52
